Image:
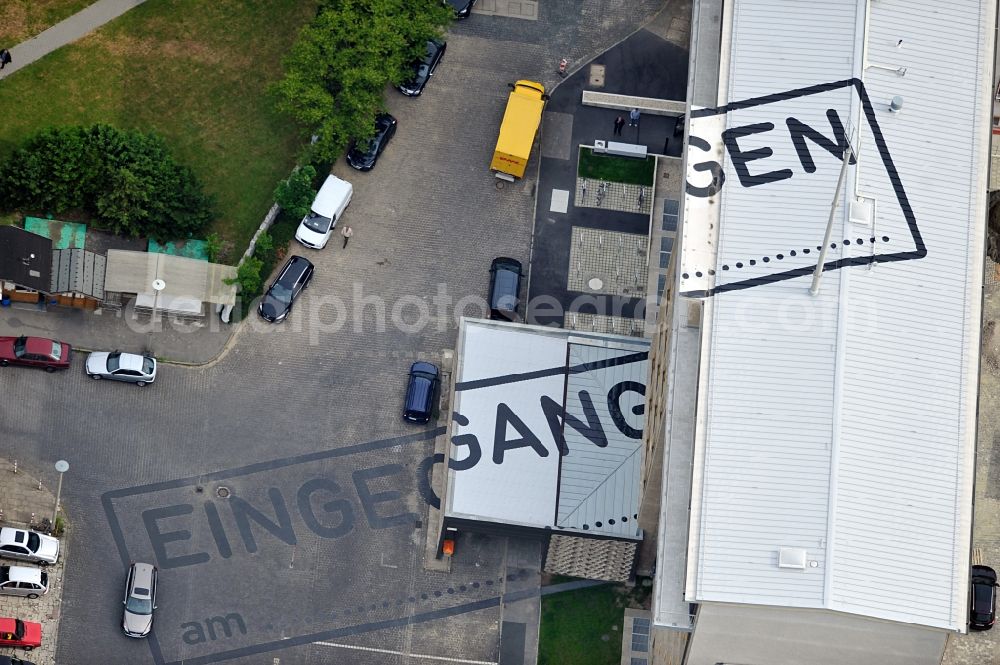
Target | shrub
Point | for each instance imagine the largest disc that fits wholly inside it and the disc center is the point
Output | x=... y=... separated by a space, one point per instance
x=295 y=193
x=127 y=180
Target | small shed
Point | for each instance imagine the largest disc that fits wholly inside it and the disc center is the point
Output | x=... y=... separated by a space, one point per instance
x=189 y=283
x=25 y=263
x=77 y=278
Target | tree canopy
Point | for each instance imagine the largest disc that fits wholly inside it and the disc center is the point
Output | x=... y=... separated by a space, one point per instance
x=126 y=180
x=336 y=72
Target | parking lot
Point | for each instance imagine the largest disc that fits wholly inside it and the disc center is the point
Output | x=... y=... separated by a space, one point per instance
x=278 y=487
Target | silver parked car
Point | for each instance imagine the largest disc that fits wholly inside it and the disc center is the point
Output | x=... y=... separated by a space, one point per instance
x=118 y=366
x=23 y=581
x=140 y=599
x=28 y=546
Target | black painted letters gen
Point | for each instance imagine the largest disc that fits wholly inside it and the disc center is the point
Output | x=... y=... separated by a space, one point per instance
x=743 y=157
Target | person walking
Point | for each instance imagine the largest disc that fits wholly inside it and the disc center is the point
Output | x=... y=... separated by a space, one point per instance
x=347 y=232
x=5 y=58
x=619 y=123
x=633 y=118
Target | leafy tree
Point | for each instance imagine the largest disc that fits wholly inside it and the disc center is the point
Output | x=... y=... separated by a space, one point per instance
x=249 y=278
x=336 y=72
x=127 y=180
x=264 y=249
x=295 y=193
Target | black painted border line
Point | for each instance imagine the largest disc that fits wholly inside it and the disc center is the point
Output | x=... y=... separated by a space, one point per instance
x=116 y=531
x=366 y=627
x=890 y=168
x=552 y=371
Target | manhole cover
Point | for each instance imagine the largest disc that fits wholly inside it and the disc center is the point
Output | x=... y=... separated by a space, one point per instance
x=595 y=283
x=597 y=76
x=223 y=492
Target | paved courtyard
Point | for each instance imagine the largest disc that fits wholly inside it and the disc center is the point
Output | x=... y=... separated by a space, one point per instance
x=277 y=488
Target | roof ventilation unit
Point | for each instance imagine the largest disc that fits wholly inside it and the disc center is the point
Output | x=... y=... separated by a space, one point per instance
x=792 y=557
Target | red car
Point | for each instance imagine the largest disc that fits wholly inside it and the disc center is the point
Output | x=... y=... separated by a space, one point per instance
x=34 y=352
x=17 y=633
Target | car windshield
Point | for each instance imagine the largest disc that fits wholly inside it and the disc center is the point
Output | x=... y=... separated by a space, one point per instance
x=113 y=361
x=33 y=541
x=365 y=146
x=280 y=293
x=57 y=350
x=139 y=605
x=148 y=364
x=19 y=628
x=19 y=344
x=317 y=223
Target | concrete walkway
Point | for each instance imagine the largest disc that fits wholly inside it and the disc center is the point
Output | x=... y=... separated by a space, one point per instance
x=66 y=32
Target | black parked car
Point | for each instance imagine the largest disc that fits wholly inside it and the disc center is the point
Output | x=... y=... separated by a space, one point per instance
x=291 y=281
x=423 y=69
x=365 y=153
x=983 y=612
x=13 y=660
x=463 y=8
x=505 y=285
x=420 y=392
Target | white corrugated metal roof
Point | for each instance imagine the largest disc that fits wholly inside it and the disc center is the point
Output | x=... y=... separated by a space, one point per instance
x=520 y=376
x=841 y=424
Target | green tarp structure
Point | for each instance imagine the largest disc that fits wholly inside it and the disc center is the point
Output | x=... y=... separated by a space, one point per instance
x=192 y=249
x=64 y=235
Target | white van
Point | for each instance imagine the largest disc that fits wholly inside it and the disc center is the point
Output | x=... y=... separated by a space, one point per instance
x=317 y=226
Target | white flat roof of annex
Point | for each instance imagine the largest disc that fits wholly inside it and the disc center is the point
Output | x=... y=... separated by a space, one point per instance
x=512 y=383
x=836 y=432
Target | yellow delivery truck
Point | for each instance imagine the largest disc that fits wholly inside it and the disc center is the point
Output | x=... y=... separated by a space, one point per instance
x=518 y=129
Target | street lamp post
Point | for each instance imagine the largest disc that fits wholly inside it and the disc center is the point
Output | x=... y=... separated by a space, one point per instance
x=62 y=466
x=158 y=285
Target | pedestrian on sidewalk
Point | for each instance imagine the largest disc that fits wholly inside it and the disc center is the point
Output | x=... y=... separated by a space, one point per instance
x=633 y=118
x=619 y=123
x=347 y=232
x=5 y=58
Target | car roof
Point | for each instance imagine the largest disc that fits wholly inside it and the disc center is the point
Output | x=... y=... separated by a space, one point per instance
x=39 y=345
x=130 y=361
x=6 y=625
x=24 y=574
x=11 y=535
x=143 y=577
x=330 y=194
x=294 y=268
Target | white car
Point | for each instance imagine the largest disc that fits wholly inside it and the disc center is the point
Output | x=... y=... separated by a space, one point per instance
x=23 y=581
x=117 y=366
x=28 y=546
x=317 y=226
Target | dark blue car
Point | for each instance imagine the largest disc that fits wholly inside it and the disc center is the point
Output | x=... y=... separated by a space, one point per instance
x=420 y=392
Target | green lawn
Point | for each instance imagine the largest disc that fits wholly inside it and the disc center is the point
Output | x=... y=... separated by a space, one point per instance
x=584 y=627
x=616 y=169
x=195 y=72
x=21 y=20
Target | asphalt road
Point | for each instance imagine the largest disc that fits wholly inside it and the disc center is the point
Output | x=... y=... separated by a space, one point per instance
x=315 y=554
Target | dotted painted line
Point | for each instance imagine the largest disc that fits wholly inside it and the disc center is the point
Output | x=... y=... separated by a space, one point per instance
x=462 y=588
x=780 y=257
x=600 y=524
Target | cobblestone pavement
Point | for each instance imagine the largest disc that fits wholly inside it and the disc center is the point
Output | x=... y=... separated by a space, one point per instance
x=320 y=538
x=23 y=501
x=983 y=648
